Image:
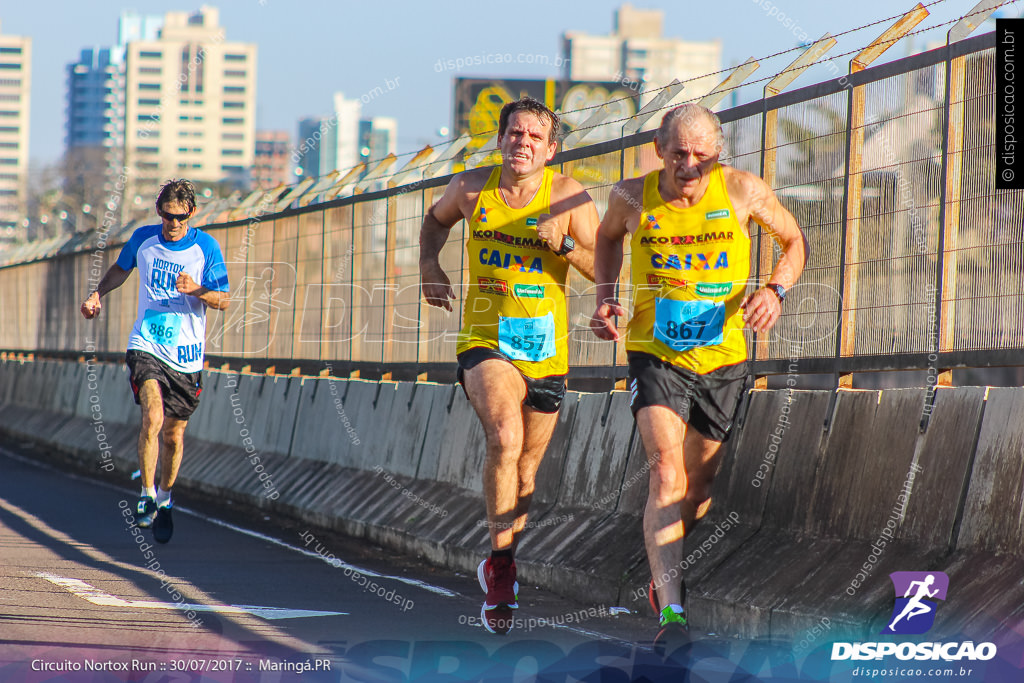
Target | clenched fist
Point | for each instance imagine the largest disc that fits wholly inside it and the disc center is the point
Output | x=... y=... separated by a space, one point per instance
x=550 y=230
x=91 y=306
x=185 y=284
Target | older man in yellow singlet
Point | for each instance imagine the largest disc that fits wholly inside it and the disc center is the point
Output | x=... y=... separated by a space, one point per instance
x=690 y=259
x=526 y=225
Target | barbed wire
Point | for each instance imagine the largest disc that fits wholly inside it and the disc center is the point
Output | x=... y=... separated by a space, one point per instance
x=343 y=172
x=787 y=70
x=704 y=76
x=411 y=169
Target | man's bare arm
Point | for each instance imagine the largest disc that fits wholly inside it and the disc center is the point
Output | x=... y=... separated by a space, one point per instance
x=112 y=279
x=583 y=222
x=762 y=308
x=573 y=213
x=608 y=261
x=186 y=285
x=217 y=300
x=768 y=212
x=437 y=224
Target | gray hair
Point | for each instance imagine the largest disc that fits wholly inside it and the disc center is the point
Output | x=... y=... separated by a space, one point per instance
x=687 y=114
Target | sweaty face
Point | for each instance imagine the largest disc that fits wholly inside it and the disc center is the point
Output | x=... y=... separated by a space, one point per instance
x=174 y=228
x=524 y=146
x=690 y=153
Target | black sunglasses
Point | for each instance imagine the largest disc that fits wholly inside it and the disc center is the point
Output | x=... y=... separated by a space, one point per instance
x=180 y=217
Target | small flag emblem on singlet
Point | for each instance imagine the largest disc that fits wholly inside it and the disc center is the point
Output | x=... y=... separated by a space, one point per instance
x=483 y=214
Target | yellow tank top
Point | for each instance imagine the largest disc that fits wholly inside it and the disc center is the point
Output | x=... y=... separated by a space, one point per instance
x=516 y=296
x=689 y=271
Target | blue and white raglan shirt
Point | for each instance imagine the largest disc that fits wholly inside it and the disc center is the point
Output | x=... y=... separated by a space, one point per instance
x=171 y=325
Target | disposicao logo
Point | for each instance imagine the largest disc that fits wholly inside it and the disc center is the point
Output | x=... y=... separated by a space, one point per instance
x=917 y=596
x=916 y=600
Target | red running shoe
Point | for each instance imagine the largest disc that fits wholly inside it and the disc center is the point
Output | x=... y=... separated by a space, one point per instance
x=498 y=580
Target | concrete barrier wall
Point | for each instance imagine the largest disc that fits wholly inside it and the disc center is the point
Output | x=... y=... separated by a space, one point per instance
x=408 y=427
x=986 y=565
x=819 y=496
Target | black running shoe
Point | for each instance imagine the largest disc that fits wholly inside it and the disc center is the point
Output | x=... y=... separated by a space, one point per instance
x=163 y=525
x=145 y=512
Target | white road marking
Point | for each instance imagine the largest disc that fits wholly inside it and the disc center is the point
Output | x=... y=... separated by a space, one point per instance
x=366 y=572
x=338 y=563
x=97 y=597
x=334 y=562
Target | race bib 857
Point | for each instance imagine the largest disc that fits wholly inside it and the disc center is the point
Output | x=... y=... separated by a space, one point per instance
x=531 y=339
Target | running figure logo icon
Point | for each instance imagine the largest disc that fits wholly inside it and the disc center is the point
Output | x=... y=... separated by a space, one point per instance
x=917 y=594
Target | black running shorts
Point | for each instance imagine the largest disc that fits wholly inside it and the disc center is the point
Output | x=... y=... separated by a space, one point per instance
x=708 y=403
x=543 y=395
x=180 y=390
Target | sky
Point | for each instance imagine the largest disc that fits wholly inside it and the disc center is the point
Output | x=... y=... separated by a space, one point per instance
x=309 y=49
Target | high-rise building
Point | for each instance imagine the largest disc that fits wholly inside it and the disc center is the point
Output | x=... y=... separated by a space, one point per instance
x=271 y=165
x=15 y=86
x=329 y=144
x=190 y=106
x=343 y=141
x=134 y=26
x=637 y=53
x=312 y=151
x=94 y=84
x=94 y=128
x=378 y=137
x=346 y=125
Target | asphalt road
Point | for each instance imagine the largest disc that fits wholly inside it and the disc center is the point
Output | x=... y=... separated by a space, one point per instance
x=237 y=596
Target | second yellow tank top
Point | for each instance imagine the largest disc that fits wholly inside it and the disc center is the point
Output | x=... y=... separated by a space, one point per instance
x=689 y=274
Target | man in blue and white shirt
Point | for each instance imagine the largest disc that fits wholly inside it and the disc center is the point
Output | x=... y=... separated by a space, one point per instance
x=181 y=272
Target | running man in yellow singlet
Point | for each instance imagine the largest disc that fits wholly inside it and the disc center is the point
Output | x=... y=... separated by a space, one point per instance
x=527 y=224
x=690 y=260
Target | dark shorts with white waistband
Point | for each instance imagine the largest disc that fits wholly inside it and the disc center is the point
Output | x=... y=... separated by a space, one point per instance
x=180 y=390
x=707 y=402
x=543 y=394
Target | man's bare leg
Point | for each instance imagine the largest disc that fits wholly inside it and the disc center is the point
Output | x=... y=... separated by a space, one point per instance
x=702 y=456
x=683 y=464
x=496 y=391
x=537 y=430
x=171 y=446
x=151 y=402
x=172 y=441
x=662 y=432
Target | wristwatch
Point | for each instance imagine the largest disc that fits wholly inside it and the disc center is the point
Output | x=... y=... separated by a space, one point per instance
x=779 y=290
x=568 y=244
